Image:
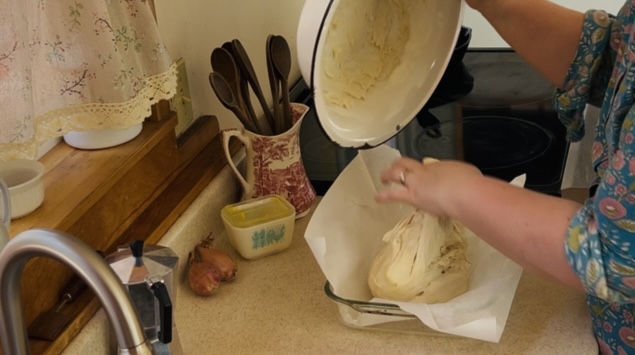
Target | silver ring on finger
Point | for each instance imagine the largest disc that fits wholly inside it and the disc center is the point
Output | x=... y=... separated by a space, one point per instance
x=402 y=177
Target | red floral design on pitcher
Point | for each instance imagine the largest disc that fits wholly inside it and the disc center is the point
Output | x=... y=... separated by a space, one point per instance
x=274 y=165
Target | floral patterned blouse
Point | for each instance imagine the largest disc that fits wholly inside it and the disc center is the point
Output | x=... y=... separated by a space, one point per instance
x=600 y=244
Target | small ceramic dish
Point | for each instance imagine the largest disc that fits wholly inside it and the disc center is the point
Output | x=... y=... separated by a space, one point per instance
x=102 y=138
x=373 y=64
x=260 y=226
x=5 y=210
x=24 y=178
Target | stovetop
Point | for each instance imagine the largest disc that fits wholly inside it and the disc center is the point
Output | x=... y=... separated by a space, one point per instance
x=493 y=111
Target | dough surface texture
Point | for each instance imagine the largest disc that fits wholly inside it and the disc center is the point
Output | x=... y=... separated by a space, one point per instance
x=424 y=260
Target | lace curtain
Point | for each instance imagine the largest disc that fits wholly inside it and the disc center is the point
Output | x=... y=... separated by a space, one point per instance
x=76 y=65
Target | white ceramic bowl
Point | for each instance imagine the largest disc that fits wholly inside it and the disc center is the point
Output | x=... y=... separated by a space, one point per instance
x=5 y=211
x=102 y=138
x=368 y=85
x=260 y=226
x=24 y=179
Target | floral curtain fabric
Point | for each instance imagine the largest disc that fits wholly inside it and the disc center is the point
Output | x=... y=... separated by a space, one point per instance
x=75 y=65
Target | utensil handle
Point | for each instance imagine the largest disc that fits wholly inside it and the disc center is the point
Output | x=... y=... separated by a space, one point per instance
x=227 y=135
x=273 y=86
x=246 y=120
x=74 y=288
x=250 y=114
x=286 y=105
x=245 y=65
x=165 y=310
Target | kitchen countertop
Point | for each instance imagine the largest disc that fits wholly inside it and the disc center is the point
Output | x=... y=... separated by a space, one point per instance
x=277 y=305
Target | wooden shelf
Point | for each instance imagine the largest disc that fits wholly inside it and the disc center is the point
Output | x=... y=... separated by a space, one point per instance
x=112 y=196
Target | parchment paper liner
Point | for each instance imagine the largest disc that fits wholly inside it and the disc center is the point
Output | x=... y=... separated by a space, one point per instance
x=345 y=233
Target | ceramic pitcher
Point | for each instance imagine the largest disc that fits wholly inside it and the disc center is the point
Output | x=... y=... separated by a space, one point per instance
x=273 y=164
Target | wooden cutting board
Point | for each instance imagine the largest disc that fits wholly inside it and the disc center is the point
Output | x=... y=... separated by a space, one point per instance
x=109 y=197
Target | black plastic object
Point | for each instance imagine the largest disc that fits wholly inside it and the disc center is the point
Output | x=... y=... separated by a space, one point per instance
x=160 y=292
x=165 y=311
x=456 y=81
x=430 y=123
x=136 y=248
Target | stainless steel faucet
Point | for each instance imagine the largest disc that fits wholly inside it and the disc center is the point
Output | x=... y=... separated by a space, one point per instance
x=88 y=264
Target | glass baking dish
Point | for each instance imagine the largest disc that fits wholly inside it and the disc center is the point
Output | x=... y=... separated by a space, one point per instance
x=378 y=316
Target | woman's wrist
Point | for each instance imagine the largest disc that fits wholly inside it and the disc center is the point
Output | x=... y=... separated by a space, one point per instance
x=454 y=196
x=488 y=8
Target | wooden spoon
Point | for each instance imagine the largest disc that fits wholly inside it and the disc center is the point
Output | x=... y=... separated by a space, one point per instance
x=226 y=96
x=223 y=64
x=281 y=57
x=273 y=84
x=247 y=69
x=243 y=92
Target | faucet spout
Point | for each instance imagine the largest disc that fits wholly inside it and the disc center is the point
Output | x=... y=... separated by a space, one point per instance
x=88 y=264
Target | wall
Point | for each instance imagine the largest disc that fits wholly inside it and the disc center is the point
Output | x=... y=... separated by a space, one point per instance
x=484 y=36
x=193 y=28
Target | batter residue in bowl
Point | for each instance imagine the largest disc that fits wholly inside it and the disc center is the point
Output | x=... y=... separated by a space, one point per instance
x=365 y=43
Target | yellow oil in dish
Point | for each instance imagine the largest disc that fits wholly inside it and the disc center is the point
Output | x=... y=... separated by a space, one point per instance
x=257 y=211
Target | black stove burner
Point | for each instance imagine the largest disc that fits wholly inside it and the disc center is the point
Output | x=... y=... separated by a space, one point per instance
x=503 y=82
x=502 y=142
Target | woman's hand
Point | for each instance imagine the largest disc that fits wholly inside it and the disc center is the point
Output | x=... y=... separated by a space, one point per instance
x=430 y=187
x=527 y=226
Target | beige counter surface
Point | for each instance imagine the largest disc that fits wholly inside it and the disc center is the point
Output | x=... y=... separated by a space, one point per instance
x=277 y=305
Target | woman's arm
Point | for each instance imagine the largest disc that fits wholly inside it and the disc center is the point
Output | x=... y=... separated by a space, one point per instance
x=528 y=227
x=545 y=34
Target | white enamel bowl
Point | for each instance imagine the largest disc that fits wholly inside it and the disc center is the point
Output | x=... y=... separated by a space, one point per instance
x=368 y=85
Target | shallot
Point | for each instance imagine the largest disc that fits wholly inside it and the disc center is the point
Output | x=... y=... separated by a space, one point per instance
x=220 y=261
x=203 y=278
